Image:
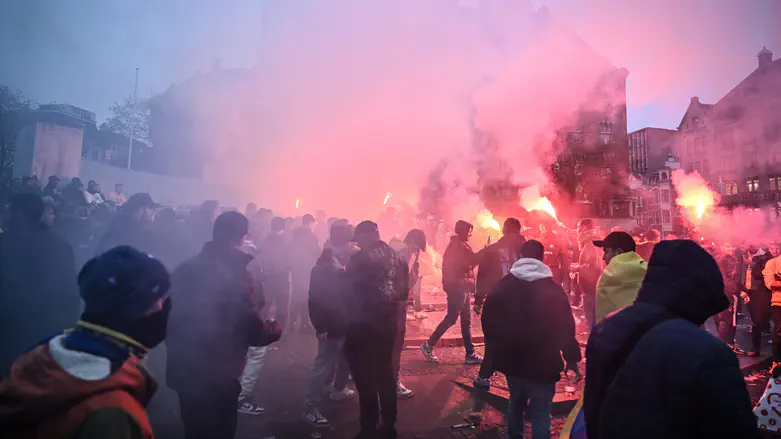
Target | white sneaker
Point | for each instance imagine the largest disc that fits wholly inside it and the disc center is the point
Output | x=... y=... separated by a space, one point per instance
x=342 y=395
x=314 y=418
x=247 y=407
x=402 y=392
x=428 y=352
x=420 y=315
x=411 y=317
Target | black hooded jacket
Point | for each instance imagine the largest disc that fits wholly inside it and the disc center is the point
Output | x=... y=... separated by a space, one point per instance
x=678 y=381
x=495 y=262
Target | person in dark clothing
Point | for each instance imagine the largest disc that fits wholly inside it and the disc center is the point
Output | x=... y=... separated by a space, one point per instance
x=275 y=260
x=89 y=382
x=304 y=252
x=529 y=325
x=653 y=372
x=458 y=281
x=133 y=226
x=327 y=294
x=731 y=267
x=496 y=261
x=73 y=193
x=199 y=228
x=214 y=322
x=589 y=268
x=38 y=289
x=52 y=189
x=30 y=185
x=379 y=282
x=759 y=306
x=557 y=254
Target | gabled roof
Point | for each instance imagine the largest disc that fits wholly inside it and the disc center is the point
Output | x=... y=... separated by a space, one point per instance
x=706 y=110
x=755 y=79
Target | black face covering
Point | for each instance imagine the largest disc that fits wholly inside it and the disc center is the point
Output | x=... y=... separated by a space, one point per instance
x=151 y=330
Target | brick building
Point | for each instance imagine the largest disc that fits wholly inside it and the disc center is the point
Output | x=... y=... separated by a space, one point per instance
x=736 y=143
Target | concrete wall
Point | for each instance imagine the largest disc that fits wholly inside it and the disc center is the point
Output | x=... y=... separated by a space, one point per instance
x=163 y=188
x=45 y=149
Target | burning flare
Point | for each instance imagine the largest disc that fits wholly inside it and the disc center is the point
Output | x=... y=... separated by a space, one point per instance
x=297 y=203
x=694 y=194
x=387 y=197
x=486 y=220
x=532 y=200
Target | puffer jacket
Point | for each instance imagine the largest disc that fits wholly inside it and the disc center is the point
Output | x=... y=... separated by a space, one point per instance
x=679 y=381
x=458 y=266
x=772 y=276
x=618 y=286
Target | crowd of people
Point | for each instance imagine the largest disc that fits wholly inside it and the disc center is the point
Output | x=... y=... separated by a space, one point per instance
x=231 y=283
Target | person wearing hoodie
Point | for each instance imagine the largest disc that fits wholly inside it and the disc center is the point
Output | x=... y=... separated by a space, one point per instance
x=759 y=306
x=89 y=382
x=38 y=290
x=304 y=252
x=589 y=268
x=624 y=272
x=496 y=261
x=732 y=270
x=458 y=281
x=379 y=285
x=215 y=321
x=329 y=318
x=653 y=372
x=528 y=322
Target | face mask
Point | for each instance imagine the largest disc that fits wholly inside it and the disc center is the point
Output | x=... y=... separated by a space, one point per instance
x=152 y=329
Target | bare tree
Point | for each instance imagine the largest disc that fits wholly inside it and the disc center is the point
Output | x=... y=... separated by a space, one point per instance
x=125 y=118
x=13 y=108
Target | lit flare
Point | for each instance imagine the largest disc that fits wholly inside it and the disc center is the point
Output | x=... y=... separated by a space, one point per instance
x=297 y=203
x=387 y=197
x=694 y=194
x=532 y=200
x=486 y=220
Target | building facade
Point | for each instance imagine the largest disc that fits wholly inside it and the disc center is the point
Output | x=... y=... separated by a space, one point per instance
x=649 y=149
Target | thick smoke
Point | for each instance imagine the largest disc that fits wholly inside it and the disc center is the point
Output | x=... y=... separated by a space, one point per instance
x=356 y=99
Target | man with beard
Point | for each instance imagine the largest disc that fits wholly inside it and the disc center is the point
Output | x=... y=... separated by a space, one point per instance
x=379 y=284
x=497 y=260
x=214 y=322
x=458 y=281
x=304 y=252
x=38 y=294
x=89 y=382
x=133 y=226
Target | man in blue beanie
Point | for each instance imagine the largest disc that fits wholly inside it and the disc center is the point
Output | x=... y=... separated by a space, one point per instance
x=89 y=382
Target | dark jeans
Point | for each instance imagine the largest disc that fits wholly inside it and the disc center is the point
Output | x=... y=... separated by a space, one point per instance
x=398 y=343
x=279 y=296
x=210 y=412
x=725 y=323
x=458 y=303
x=487 y=366
x=759 y=308
x=534 y=397
x=776 y=313
x=369 y=351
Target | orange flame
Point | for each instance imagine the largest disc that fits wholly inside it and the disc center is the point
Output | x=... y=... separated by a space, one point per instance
x=387 y=197
x=694 y=194
x=297 y=203
x=487 y=221
x=532 y=200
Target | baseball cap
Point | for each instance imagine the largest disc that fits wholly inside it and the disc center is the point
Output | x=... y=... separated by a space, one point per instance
x=619 y=240
x=140 y=199
x=122 y=283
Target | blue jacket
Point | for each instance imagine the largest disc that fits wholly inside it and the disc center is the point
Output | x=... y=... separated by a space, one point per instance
x=678 y=381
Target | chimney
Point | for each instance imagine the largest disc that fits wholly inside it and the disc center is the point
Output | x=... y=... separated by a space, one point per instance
x=765 y=58
x=695 y=100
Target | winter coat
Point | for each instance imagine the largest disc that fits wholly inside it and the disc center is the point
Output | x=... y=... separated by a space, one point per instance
x=756 y=279
x=496 y=260
x=458 y=267
x=589 y=261
x=378 y=283
x=679 y=381
x=732 y=272
x=772 y=275
x=557 y=255
x=618 y=286
x=327 y=295
x=304 y=252
x=528 y=323
x=214 y=319
x=58 y=393
x=39 y=295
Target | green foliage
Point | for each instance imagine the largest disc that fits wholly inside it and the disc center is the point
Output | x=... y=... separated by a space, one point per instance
x=13 y=109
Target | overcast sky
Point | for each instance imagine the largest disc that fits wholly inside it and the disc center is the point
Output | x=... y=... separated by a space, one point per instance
x=85 y=52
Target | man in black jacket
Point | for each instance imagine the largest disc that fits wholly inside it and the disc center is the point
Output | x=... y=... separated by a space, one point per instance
x=379 y=284
x=329 y=317
x=496 y=261
x=528 y=323
x=38 y=291
x=133 y=227
x=458 y=281
x=304 y=251
x=653 y=372
x=213 y=323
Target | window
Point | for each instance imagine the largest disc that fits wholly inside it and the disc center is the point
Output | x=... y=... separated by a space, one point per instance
x=730 y=188
x=656 y=196
x=697 y=145
x=666 y=216
x=706 y=167
x=752 y=184
x=689 y=147
x=606 y=139
x=665 y=196
x=605 y=126
x=774 y=180
x=664 y=176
